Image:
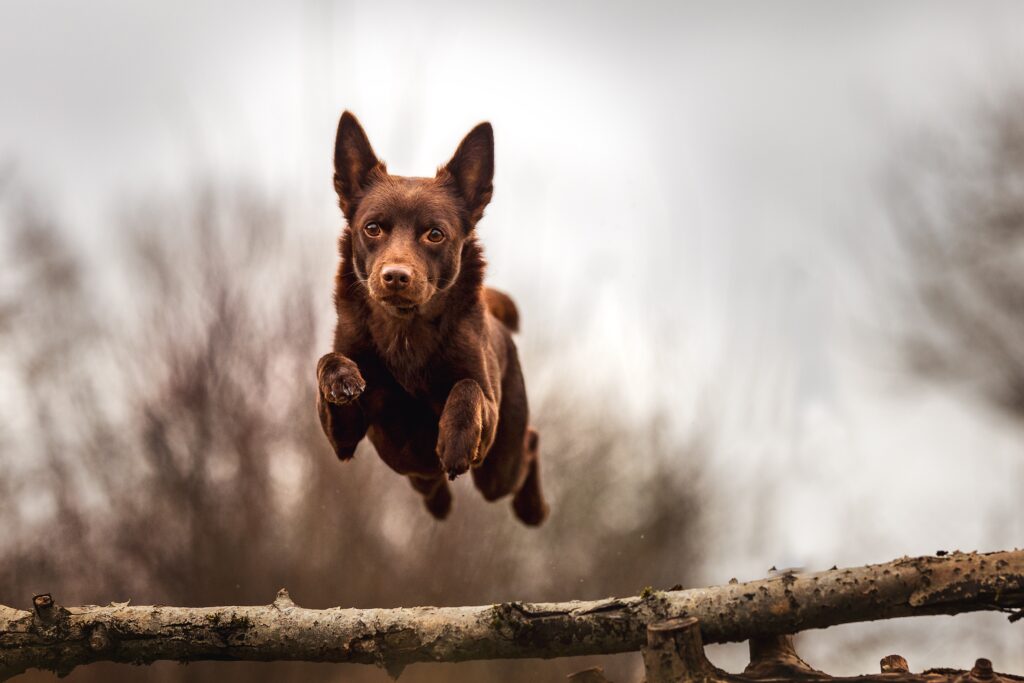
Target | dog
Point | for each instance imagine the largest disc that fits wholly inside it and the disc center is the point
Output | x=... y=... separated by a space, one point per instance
x=424 y=363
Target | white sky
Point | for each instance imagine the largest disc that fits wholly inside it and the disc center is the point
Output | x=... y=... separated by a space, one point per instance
x=688 y=190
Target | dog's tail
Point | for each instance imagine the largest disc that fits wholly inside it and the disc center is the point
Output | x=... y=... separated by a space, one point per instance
x=502 y=307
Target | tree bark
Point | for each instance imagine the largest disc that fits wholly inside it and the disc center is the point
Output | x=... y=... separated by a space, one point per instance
x=58 y=638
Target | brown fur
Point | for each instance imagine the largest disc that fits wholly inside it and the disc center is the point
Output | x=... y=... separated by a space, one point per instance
x=423 y=362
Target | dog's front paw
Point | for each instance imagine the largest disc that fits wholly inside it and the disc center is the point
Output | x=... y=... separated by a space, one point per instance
x=339 y=379
x=458 y=449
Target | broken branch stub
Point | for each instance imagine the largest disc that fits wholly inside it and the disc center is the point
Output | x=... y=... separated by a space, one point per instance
x=675 y=653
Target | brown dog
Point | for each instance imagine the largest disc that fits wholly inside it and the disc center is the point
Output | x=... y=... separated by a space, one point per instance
x=423 y=361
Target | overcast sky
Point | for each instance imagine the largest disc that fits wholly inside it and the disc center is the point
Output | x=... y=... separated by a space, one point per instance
x=690 y=190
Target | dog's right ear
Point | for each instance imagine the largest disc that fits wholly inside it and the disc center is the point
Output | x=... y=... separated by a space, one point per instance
x=354 y=162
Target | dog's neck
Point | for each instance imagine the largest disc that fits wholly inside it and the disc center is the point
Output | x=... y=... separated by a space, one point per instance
x=405 y=344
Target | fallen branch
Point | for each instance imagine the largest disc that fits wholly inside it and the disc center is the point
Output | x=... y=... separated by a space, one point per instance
x=57 y=638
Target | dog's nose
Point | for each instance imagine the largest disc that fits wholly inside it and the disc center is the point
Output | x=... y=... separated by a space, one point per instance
x=396 y=278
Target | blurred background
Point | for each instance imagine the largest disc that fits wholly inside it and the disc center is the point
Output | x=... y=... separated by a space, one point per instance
x=769 y=259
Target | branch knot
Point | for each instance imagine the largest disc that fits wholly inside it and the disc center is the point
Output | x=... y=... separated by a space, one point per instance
x=284 y=600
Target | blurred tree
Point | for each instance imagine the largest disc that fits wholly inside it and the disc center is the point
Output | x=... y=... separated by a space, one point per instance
x=957 y=201
x=166 y=450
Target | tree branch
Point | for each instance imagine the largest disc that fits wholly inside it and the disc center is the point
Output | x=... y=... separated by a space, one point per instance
x=57 y=638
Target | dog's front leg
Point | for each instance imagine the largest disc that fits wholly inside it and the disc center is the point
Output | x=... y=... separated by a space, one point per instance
x=466 y=430
x=339 y=384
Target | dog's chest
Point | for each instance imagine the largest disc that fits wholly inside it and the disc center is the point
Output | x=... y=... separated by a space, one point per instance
x=406 y=353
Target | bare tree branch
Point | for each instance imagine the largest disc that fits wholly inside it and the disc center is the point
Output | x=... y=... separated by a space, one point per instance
x=58 y=638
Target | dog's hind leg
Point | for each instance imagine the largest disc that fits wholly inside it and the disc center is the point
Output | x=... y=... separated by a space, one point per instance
x=436 y=494
x=528 y=502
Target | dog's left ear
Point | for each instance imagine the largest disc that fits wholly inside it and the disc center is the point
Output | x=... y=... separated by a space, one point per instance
x=471 y=170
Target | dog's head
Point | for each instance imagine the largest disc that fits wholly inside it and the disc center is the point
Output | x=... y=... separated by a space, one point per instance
x=407 y=234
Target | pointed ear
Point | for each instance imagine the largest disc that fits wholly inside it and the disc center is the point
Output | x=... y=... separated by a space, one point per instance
x=471 y=170
x=354 y=161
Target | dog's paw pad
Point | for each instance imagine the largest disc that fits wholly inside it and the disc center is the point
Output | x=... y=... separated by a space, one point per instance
x=342 y=386
x=343 y=393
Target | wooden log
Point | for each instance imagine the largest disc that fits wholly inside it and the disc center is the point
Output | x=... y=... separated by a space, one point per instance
x=58 y=638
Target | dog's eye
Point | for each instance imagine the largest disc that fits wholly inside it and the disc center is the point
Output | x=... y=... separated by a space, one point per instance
x=435 y=235
x=372 y=229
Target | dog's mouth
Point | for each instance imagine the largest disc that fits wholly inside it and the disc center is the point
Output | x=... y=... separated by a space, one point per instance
x=399 y=307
